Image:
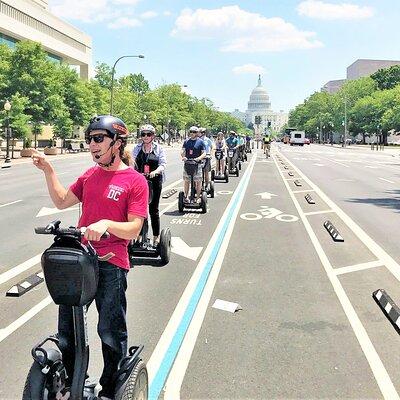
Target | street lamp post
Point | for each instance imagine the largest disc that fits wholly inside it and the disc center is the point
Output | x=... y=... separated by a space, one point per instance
x=112 y=78
x=345 y=120
x=7 y=108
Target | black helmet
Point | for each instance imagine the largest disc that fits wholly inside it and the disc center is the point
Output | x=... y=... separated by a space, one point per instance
x=114 y=126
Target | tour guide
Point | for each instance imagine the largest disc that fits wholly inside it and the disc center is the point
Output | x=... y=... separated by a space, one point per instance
x=114 y=199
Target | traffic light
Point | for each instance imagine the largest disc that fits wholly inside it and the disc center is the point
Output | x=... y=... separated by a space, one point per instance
x=269 y=124
x=257 y=119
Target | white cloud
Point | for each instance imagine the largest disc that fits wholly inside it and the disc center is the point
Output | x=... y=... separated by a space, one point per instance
x=248 y=69
x=148 y=15
x=328 y=11
x=126 y=2
x=112 y=11
x=124 y=22
x=167 y=13
x=242 y=31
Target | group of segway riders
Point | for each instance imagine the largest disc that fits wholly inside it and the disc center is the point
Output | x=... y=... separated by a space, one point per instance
x=198 y=152
x=91 y=262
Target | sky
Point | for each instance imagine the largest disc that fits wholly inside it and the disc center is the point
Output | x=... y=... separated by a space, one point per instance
x=218 y=48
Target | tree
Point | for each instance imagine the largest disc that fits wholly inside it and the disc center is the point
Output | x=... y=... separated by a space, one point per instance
x=387 y=78
x=136 y=83
x=103 y=75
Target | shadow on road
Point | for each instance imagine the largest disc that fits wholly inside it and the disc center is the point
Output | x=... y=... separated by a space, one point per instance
x=392 y=202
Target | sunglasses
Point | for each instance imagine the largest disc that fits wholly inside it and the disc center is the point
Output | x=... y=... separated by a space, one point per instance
x=192 y=131
x=148 y=134
x=96 y=138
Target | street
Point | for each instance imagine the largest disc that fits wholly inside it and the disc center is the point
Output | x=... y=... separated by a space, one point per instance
x=306 y=325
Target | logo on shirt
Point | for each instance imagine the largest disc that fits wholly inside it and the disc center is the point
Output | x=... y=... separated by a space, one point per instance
x=114 y=192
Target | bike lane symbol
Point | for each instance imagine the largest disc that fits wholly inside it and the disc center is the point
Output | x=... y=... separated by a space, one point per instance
x=269 y=213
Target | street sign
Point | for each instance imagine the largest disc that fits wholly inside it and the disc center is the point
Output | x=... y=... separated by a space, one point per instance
x=165 y=136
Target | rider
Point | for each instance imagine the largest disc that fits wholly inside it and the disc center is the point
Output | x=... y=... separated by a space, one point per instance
x=233 y=144
x=241 y=146
x=114 y=198
x=221 y=145
x=193 y=149
x=210 y=149
x=148 y=157
x=266 y=144
x=248 y=140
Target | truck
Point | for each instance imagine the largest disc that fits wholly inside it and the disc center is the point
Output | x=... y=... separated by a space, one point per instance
x=297 y=138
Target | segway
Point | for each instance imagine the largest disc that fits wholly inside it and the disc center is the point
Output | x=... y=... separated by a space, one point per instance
x=233 y=169
x=71 y=275
x=144 y=249
x=191 y=169
x=208 y=189
x=248 y=147
x=219 y=154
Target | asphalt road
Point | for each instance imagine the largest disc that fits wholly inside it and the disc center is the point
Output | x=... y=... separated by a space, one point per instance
x=306 y=325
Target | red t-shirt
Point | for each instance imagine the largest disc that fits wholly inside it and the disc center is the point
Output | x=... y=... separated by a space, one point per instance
x=111 y=195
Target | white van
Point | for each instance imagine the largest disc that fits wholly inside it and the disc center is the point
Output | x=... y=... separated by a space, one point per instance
x=297 y=138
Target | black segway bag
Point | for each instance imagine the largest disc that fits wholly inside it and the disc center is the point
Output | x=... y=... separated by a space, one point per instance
x=191 y=167
x=70 y=271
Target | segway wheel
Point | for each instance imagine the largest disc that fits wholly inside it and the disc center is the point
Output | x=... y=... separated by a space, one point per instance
x=237 y=171
x=180 y=201
x=239 y=165
x=204 y=203
x=38 y=384
x=165 y=246
x=226 y=176
x=212 y=175
x=212 y=189
x=245 y=157
x=137 y=387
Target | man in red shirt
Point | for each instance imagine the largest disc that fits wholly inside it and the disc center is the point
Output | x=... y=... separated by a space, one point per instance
x=114 y=198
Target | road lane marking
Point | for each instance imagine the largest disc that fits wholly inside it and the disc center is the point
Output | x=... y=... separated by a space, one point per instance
x=358 y=267
x=180 y=332
x=170 y=186
x=6 y=276
x=303 y=191
x=293 y=179
x=318 y=212
x=378 y=369
x=9 y=204
x=7 y=331
x=386 y=180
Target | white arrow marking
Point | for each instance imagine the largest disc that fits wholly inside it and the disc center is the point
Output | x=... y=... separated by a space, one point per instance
x=319 y=165
x=49 y=211
x=178 y=246
x=266 y=195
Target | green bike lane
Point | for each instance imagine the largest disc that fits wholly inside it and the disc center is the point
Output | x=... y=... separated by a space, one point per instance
x=291 y=338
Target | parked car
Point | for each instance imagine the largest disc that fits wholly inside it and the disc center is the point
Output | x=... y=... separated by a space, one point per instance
x=306 y=141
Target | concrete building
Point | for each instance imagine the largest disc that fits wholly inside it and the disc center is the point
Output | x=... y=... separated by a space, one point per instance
x=31 y=19
x=363 y=67
x=260 y=105
x=333 y=86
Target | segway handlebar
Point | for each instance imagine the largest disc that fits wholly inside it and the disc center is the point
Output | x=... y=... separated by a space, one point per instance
x=53 y=228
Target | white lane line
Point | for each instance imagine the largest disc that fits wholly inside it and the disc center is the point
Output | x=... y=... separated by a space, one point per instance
x=358 y=267
x=292 y=179
x=378 y=369
x=7 y=331
x=318 y=212
x=9 y=204
x=386 y=180
x=303 y=191
x=169 y=207
x=172 y=185
x=6 y=276
x=177 y=373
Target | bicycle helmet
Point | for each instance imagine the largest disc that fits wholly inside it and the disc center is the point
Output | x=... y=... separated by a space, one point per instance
x=194 y=129
x=115 y=127
x=147 y=128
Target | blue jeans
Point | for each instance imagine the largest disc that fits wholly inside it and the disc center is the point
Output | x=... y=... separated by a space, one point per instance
x=111 y=305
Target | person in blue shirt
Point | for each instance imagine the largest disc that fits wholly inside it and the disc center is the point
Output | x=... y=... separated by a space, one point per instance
x=233 y=144
x=195 y=149
x=210 y=150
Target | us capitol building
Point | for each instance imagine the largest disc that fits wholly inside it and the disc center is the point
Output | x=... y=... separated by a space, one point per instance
x=260 y=104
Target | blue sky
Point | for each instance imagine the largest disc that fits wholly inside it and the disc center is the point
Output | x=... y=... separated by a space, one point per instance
x=218 y=48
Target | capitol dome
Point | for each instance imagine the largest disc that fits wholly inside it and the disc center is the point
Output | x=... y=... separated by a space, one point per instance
x=259 y=99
